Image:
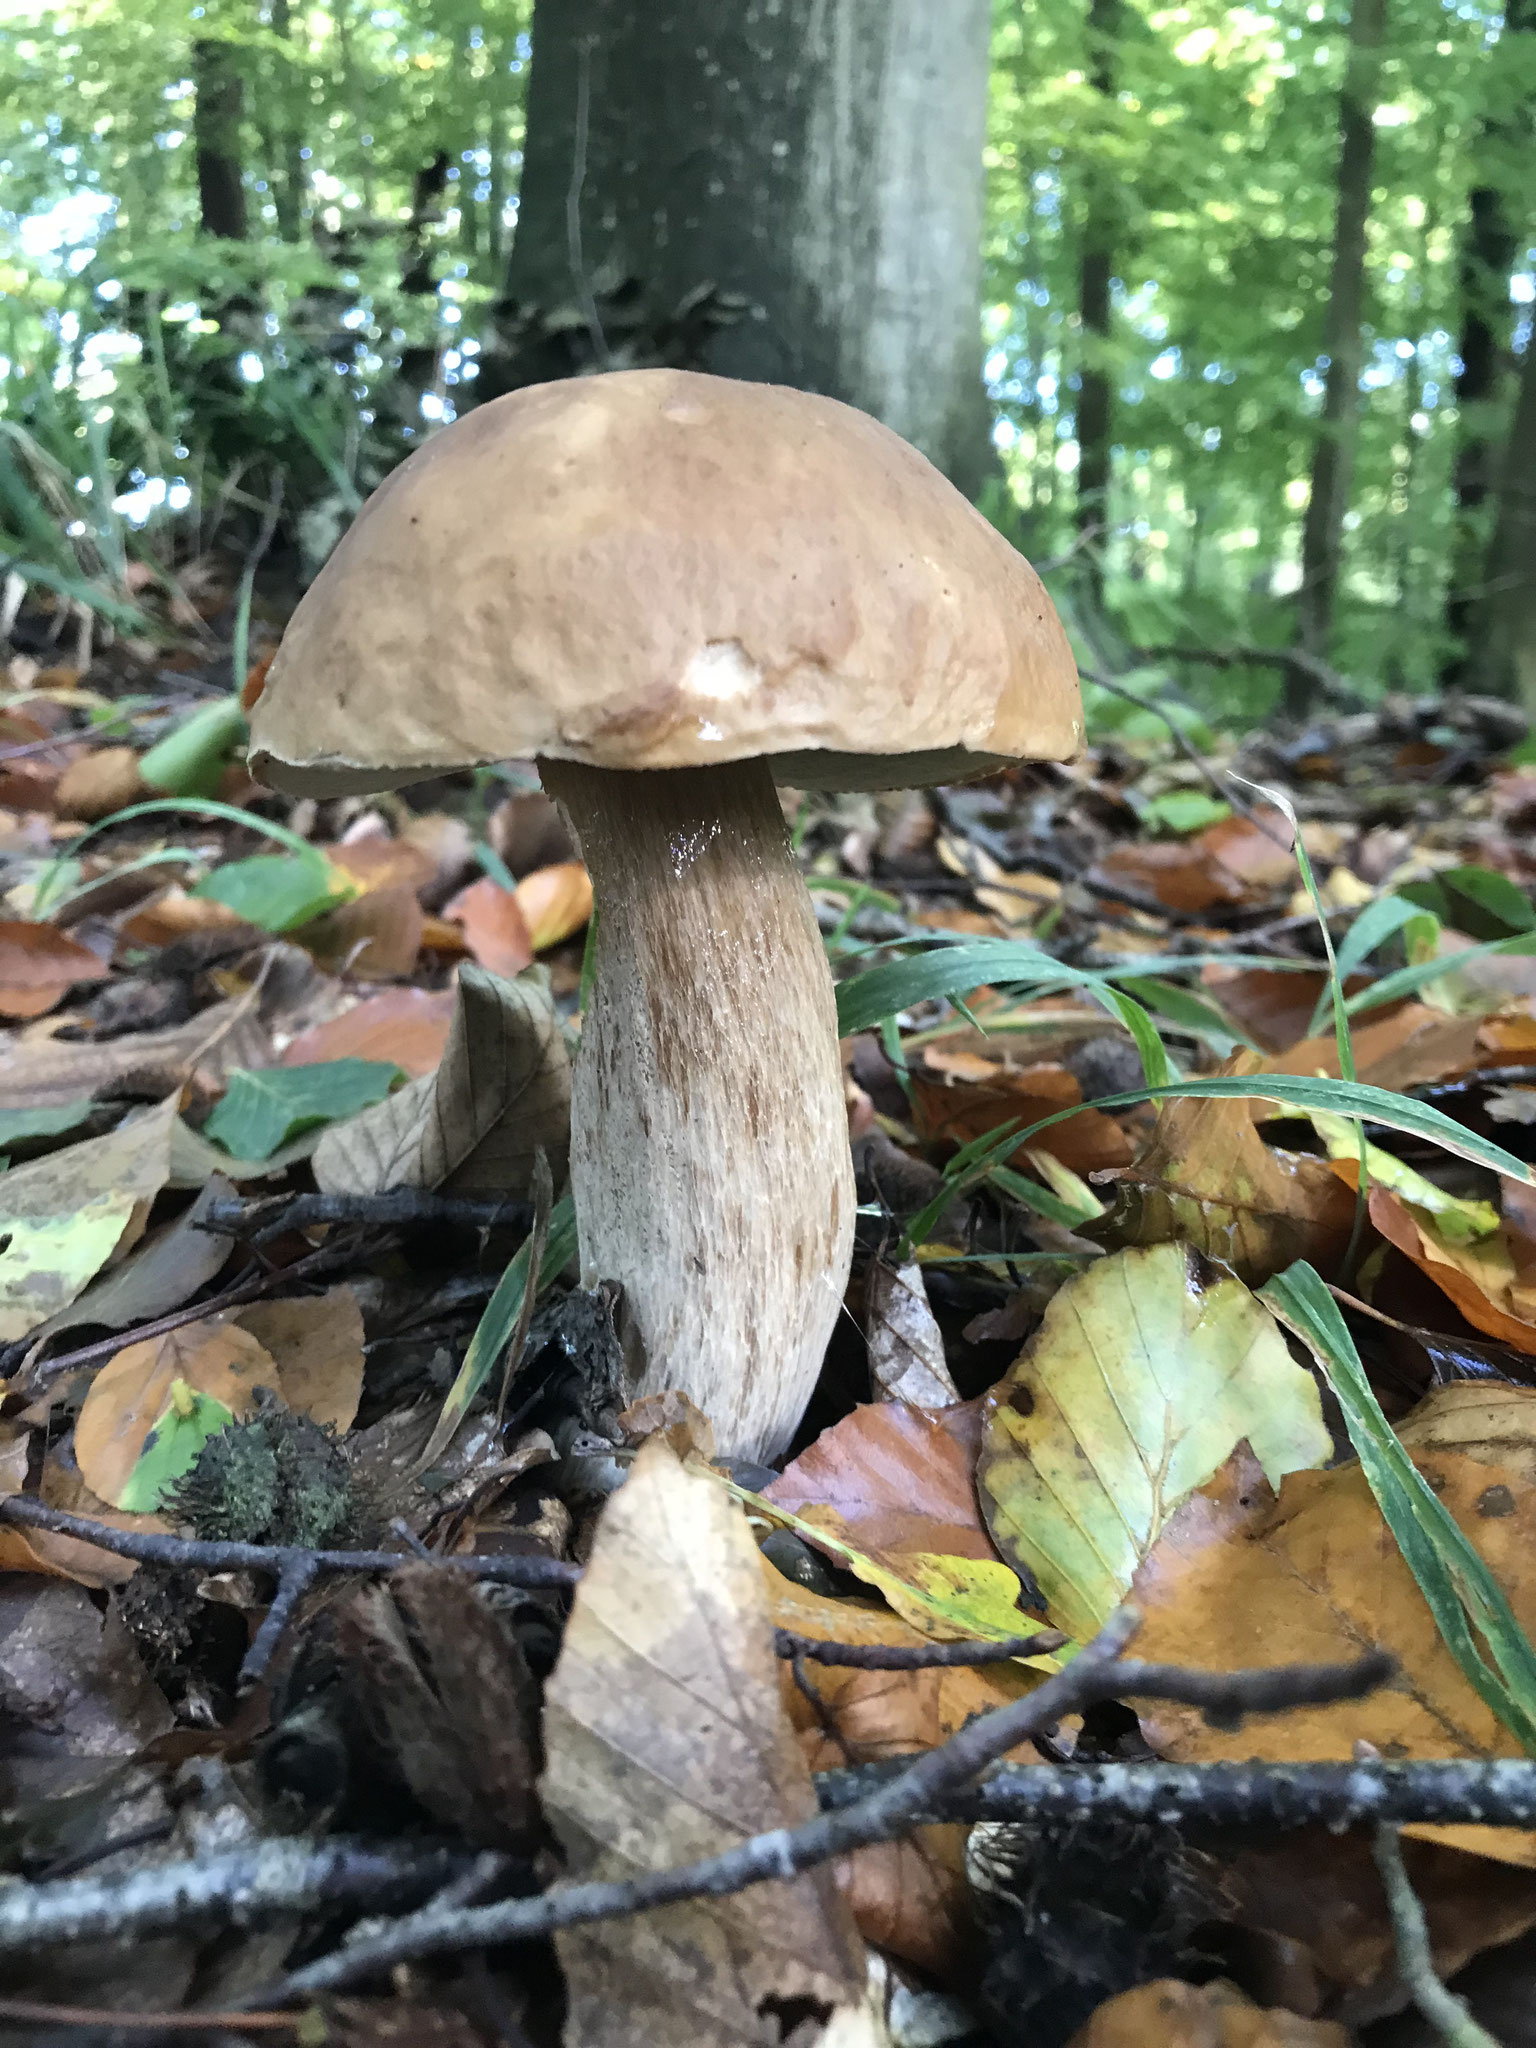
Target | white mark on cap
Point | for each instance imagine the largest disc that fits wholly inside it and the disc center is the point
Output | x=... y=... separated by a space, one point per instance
x=721 y=670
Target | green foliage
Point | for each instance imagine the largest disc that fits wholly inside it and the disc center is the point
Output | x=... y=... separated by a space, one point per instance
x=278 y=891
x=261 y=1111
x=278 y=1478
x=173 y=1446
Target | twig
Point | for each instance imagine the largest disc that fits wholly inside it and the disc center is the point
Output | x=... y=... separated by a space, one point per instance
x=1307 y=667
x=1217 y=1796
x=294 y=1567
x=257 y=1883
x=914 y=1656
x=1099 y=1672
x=268 y=1216
x=151 y=2022
x=1445 y=2012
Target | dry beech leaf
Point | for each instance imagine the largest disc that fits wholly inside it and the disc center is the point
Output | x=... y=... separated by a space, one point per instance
x=144 y=1064
x=173 y=915
x=495 y=930
x=1208 y=1179
x=556 y=902
x=1414 y=1045
x=64 y=1216
x=316 y=1343
x=1493 y=1293
x=133 y=1389
x=1171 y=2014
x=62 y=1487
x=1146 y=1371
x=896 y=1476
x=1315 y=1576
x=1482 y=1419
x=376 y=937
x=1180 y=875
x=406 y=1025
x=955 y=1110
x=383 y=864
x=39 y=966
x=472 y=1127
x=906 y=1345
x=666 y=1740
x=98 y=784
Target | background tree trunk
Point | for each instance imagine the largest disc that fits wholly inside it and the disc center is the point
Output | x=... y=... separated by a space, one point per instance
x=217 y=120
x=288 y=180
x=1095 y=390
x=1504 y=660
x=790 y=193
x=1334 y=456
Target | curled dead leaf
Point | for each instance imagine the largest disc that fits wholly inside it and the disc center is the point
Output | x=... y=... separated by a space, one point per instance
x=39 y=965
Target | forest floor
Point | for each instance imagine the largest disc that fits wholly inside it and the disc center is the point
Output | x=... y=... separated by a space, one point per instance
x=401 y=1651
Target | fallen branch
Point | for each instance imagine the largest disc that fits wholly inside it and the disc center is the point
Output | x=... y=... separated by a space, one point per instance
x=254 y=1885
x=268 y=1216
x=1217 y=1796
x=1296 y=666
x=293 y=1567
x=1099 y=1672
x=914 y=1656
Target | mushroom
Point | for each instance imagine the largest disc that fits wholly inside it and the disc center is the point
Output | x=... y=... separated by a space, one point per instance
x=676 y=591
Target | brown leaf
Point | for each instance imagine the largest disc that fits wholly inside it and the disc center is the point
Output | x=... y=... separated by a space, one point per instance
x=897 y=1477
x=503 y=1090
x=556 y=902
x=528 y=832
x=375 y=937
x=1181 y=875
x=316 y=1343
x=494 y=927
x=450 y=1698
x=954 y=1109
x=406 y=1025
x=906 y=1345
x=1208 y=1178
x=71 y=1682
x=383 y=864
x=133 y=1389
x=1171 y=2014
x=39 y=966
x=1257 y=849
x=147 y=1063
x=1242 y=1578
x=1483 y=1279
x=173 y=915
x=97 y=784
x=1413 y=1045
x=666 y=1740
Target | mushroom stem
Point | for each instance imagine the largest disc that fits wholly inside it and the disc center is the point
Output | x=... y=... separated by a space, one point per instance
x=709 y=1146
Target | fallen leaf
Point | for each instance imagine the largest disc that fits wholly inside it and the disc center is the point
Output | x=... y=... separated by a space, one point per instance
x=1458 y=1218
x=528 y=832
x=158 y=1275
x=39 y=965
x=1207 y=1178
x=1482 y=1279
x=898 y=1479
x=62 y=1217
x=1145 y=1372
x=1256 y=848
x=1413 y=1045
x=376 y=937
x=99 y=783
x=316 y=1343
x=263 y=1110
x=502 y=1091
x=1494 y=1424
x=1171 y=2014
x=406 y=1026
x=71 y=1687
x=133 y=1390
x=383 y=864
x=495 y=930
x=556 y=902
x=1178 y=875
x=1242 y=1577
x=906 y=1345
x=666 y=1739
x=954 y=1110
x=145 y=1064
x=175 y=1442
x=173 y=915
x=1271 y=1004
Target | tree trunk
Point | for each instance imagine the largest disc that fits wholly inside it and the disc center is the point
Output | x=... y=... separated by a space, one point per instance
x=1333 y=460
x=785 y=192
x=288 y=180
x=217 y=121
x=1505 y=651
x=1098 y=247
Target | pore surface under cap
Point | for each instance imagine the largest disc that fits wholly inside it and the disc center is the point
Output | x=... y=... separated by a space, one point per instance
x=659 y=569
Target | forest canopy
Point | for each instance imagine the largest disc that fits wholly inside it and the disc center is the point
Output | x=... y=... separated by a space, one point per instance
x=246 y=240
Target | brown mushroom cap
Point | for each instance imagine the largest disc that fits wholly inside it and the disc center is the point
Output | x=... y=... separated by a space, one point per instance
x=659 y=569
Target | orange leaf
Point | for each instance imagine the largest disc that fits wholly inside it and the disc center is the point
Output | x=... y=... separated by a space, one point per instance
x=1171 y=2014
x=39 y=965
x=132 y=1390
x=494 y=927
x=406 y=1025
x=174 y=915
x=383 y=863
x=899 y=1479
x=1180 y=875
x=376 y=937
x=1257 y=850
x=955 y=1111
x=555 y=902
x=100 y=783
x=1482 y=1278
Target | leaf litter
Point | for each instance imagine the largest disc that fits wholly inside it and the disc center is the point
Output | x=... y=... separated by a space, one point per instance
x=211 y=1031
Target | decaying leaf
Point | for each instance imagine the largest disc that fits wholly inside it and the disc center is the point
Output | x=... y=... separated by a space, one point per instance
x=145 y=1064
x=1493 y=1423
x=159 y=1274
x=38 y=967
x=955 y=1103
x=666 y=1739
x=406 y=1026
x=1242 y=1577
x=64 y=1216
x=316 y=1343
x=1208 y=1179
x=1145 y=1372
x=134 y=1389
x=1491 y=1289
x=495 y=930
x=899 y=1479
x=1171 y=2014
x=1415 y=1044
x=906 y=1345
x=503 y=1090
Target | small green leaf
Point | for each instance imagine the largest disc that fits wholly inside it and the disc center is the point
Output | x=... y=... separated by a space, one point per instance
x=276 y=891
x=173 y=1446
x=191 y=760
x=1494 y=893
x=263 y=1110
x=1182 y=811
x=16 y=1124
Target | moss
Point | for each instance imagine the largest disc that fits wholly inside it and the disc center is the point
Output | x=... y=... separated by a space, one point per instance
x=278 y=1478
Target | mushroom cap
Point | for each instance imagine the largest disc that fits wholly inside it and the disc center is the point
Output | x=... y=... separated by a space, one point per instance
x=660 y=569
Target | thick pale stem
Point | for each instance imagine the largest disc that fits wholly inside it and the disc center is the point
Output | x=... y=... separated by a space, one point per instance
x=709 y=1147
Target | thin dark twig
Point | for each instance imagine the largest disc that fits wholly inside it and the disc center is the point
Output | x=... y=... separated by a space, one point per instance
x=915 y=1656
x=1099 y=1672
x=268 y=1216
x=31 y=2009
x=293 y=1582
x=810 y=1692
